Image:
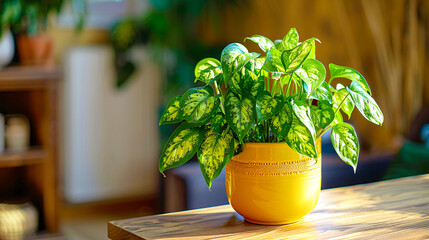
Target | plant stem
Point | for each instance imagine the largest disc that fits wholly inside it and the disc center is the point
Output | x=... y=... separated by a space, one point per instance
x=288 y=87
x=221 y=97
x=274 y=89
x=296 y=88
x=322 y=131
x=330 y=80
x=339 y=106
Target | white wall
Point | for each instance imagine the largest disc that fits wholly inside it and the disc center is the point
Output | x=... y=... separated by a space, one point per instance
x=110 y=136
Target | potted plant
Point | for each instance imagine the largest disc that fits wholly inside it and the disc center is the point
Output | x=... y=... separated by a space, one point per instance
x=35 y=46
x=262 y=117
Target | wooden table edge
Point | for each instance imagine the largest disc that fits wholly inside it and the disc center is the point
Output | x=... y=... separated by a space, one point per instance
x=115 y=232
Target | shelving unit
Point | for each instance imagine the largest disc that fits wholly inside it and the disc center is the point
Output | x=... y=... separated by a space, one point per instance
x=32 y=174
x=33 y=156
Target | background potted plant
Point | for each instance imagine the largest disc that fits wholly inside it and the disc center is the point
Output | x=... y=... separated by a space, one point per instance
x=35 y=47
x=263 y=117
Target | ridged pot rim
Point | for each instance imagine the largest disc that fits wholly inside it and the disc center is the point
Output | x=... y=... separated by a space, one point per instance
x=273 y=153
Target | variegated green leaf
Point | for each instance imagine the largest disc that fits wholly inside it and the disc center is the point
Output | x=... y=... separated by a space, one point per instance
x=264 y=43
x=198 y=105
x=207 y=69
x=240 y=112
x=293 y=59
x=247 y=81
x=229 y=61
x=281 y=122
x=315 y=115
x=338 y=118
x=313 y=73
x=254 y=85
x=243 y=81
x=267 y=106
x=218 y=123
x=181 y=146
x=172 y=112
x=365 y=103
x=279 y=45
x=322 y=93
x=255 y=134
x=258 y=64
x=290 y=40
x=345 y=142
x=238 y=67
x=342 y=96
x=313 y=50
x=326 y=114
x=238 y=147
x=348 y=73
x=273 y=61
x=300 y=139
x=302 y=111
x=215 y=152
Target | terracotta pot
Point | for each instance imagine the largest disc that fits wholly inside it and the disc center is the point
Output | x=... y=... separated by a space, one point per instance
x=271 y=184
x=36 y=49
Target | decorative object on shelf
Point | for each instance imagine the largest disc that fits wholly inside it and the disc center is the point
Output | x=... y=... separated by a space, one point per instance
x=9 y=15
x=17 y=133
x=18 y=221
x=7 y=48
x=280 y=103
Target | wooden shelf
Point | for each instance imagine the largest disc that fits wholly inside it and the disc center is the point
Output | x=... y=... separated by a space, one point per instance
x=32 y=91
x=31 y=156
x=27 y=77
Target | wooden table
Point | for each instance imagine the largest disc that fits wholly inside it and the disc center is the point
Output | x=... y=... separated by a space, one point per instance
x=394 y=209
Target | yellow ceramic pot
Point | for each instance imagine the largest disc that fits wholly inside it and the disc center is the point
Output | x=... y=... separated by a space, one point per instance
x=271 y=184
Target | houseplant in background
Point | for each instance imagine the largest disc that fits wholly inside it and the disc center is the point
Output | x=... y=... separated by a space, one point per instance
x=35 y=46
x=171 y=34
x=262 y=117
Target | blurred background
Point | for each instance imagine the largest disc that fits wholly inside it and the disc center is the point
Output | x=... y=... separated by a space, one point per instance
x=84 y=82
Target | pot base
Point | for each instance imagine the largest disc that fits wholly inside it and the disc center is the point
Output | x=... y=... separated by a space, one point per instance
x=271 y=184
x=271 y=223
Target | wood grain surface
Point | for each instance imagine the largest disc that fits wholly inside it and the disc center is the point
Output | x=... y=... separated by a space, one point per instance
x=394 y=209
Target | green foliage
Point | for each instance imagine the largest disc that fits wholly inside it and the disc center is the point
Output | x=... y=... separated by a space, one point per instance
x=346 y=144
x=293 y=59
x=181 y=146
x=267 y=106
x=31 y=17
x=282 y=97
x=264 y=43
x=365 y=103
x=207 y=70
x=214 y=153
x=172 y=112
x=240 y=112
x=343 y=98
x=171 y=32
x=282 y=122
x=198 y=105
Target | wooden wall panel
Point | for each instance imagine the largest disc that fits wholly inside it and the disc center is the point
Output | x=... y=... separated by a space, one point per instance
x=347 y=39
